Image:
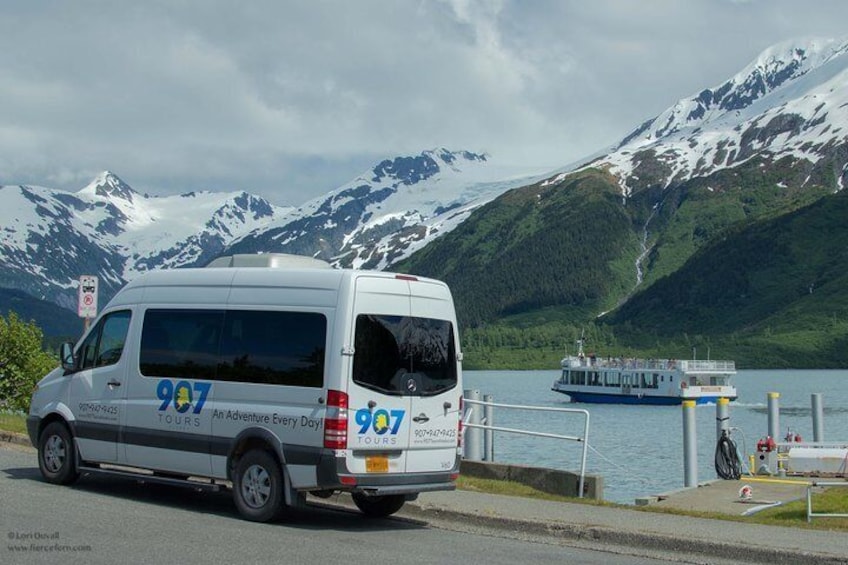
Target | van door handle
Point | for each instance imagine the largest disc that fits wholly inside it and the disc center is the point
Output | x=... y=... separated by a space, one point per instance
x=113 y=383
x=420 y=419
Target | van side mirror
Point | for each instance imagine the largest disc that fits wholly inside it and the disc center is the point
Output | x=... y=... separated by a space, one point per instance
x=66 y=354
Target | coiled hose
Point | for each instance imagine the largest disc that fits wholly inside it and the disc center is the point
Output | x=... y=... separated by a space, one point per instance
x=727 y=463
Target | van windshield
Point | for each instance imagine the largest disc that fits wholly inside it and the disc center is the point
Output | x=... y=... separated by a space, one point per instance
x=403 y=355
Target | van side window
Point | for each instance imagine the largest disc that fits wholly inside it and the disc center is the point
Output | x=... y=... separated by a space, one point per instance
x=180 y=343
x=283 y=348
x=104 y=345
x=268 y=347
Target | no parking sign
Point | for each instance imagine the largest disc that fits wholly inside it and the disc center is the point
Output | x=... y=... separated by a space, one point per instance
x=87 y=307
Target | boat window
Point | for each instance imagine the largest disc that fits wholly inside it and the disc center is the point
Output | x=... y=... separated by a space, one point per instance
x=595 y=378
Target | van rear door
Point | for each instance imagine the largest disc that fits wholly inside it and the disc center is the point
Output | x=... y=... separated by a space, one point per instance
x=434 y=408
x=378 y=421
x=403 y=414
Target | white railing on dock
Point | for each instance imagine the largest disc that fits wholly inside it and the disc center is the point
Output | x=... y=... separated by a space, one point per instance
x=584 y=439
x=810 y=513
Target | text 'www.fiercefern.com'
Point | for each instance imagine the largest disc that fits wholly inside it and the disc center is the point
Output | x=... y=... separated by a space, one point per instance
x=41 y=542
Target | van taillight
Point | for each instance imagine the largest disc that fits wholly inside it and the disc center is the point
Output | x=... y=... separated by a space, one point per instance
x=335 y=422
x=459 y=424
x=406 y=278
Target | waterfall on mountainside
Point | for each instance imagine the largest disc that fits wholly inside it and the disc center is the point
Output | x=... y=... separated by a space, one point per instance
x=645 y=248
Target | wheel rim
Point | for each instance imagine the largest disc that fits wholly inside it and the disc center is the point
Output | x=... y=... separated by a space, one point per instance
x=256 y=486
x=54 y=454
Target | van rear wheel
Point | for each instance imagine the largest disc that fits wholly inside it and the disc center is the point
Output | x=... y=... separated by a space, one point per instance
x=258 y=486
x=57 y=458
x=379 y=506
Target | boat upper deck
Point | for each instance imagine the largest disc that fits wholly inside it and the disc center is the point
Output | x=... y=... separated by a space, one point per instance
x=684 y=365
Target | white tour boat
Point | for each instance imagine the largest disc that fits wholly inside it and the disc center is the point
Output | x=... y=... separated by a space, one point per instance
x=644 y=381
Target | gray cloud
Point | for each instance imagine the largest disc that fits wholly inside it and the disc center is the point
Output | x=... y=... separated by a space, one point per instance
x=291 y=99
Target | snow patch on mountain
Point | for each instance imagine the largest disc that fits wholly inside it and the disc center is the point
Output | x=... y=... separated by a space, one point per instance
x=50 y=237
x=790 y=101
x=388 y=211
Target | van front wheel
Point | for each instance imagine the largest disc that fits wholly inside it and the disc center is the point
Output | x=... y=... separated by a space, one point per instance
x=57 y=458
x=379 y=506
x=258 y=486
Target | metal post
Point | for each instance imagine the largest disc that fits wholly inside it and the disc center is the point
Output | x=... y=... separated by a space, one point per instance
x=488 y=435
x=809 y=503
x=582 y=484
x=690 y=445
x=722 y=416
x=773 y=415
x=818 y=416
x=472 y=444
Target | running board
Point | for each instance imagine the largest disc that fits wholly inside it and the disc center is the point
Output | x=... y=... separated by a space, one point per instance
x=147 y=477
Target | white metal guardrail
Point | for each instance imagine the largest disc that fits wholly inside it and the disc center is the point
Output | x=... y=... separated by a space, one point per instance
x=810 y=513
x=584 y=439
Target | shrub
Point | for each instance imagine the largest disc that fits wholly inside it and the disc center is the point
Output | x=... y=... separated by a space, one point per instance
x=22 y=361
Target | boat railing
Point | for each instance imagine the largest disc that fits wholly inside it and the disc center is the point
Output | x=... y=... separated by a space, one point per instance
x=476 y=421
x=648 y=364
x=707 y=365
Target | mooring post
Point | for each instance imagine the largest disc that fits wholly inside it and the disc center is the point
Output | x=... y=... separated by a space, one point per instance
x=774 y=415
x=690 y=445
x=488 y=435
x=722 y=417
x=472 y=442
x=818 y=416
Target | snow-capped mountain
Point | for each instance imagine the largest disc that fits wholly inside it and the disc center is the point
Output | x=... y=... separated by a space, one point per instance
x=792 y=101
x=789 y=106
x=388 y=212
x=740 y=158
x=51 y=237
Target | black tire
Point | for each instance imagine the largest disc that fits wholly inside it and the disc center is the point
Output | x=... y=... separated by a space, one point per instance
x=258 y=486
x=379 y=506
x=57 y=456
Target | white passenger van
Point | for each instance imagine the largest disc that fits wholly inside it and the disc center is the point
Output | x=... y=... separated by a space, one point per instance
x=280 y=379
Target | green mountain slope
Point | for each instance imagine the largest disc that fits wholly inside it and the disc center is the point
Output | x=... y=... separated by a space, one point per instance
x=723 y=259
x=692 y=214
x=54 y=321
x=775 y=291
x=564 y=245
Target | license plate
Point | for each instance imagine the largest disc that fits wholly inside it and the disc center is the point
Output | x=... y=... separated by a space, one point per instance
x=377 y=464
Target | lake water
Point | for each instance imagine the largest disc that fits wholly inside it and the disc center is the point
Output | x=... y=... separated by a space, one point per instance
x=638 y=450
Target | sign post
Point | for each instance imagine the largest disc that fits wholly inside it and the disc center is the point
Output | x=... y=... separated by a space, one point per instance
x=87 y=307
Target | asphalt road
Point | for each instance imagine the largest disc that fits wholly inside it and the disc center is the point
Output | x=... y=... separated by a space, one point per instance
x=107 y=520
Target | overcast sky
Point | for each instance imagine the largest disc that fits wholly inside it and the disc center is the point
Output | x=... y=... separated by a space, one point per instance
x=291 y=99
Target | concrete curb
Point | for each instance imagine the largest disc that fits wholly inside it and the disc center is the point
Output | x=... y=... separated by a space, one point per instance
x=16 y=438
x=631 y=538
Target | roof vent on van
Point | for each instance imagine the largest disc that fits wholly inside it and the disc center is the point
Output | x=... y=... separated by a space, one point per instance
x=273 y=260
